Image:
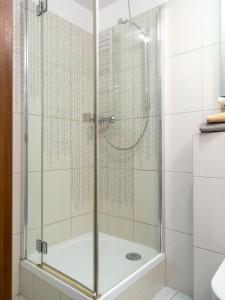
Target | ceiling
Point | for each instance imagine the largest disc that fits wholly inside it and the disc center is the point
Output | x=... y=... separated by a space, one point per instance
x=88 y=3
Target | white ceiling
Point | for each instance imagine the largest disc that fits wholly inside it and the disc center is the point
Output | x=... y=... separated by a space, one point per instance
x=88 y=3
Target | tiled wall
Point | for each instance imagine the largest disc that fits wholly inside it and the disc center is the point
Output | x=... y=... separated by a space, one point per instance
x=33 y=288
x=192 y=42
x=209 y=222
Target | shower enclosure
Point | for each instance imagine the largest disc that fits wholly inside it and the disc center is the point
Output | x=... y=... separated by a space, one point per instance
x=92 y=140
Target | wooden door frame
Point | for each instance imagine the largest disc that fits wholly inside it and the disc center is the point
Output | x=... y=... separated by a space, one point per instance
x=6 y=113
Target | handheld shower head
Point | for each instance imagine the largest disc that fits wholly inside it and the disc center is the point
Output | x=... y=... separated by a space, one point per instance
x=122 y=21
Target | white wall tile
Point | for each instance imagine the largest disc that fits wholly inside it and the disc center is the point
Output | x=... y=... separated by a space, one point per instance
x=16 y=202
x=179 y=129
x=82 y=224
x=179 y=261
x=17 y=153
x=16 y=262
x=205 y=266
x=147 y=235
x=120 y=227
x=26 y=284
x=183 y=26
x=147 y=197
x=211 y=76
x=57 y=201
x=179 y=202
x=209 y=159
x=209 y=207
x=211 y=22
x=44 y=291
x=183 y=82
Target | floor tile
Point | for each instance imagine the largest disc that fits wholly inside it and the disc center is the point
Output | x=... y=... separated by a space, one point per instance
x=165 y=294
x=180 y=296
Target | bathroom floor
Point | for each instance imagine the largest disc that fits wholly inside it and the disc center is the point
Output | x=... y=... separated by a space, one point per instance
x=168 y=294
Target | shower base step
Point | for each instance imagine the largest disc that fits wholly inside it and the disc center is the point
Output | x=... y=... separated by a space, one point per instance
x=170 y=294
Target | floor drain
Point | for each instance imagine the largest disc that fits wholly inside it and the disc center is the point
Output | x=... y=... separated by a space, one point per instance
x=133 y=256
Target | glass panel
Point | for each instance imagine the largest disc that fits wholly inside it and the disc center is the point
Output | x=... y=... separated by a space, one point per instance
x=129 y=134
x=32 y=61
x=68 y=139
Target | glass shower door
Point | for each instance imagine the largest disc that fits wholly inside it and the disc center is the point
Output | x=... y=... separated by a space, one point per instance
x=67 y=133
x=129 y=136
x=32 y=131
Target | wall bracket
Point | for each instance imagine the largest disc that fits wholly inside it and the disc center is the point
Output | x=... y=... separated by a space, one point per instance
x=42 y=7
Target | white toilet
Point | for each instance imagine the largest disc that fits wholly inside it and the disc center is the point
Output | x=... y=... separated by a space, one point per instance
x=218 y=283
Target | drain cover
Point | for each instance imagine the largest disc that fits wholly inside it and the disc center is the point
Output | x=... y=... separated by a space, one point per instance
x=133 y=256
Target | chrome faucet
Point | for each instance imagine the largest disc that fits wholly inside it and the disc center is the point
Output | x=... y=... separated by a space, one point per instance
x=88 y=117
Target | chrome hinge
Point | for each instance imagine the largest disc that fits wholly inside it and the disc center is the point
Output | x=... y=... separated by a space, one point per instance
x=42 y=7
x=41 y=247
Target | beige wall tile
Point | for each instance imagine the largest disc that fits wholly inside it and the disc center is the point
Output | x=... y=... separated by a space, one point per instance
x=34 y=143
x=120 y=228
x=147 y=197
x=57 y=232
x=34 y=200
x=16 y=203
x=57 y=198
x=44 y=291
x=143 y=289
x=65 y=297
x=147 y=235
x=82 y=224
x=26 y=284
x=124 y=296
x=16 y=262
x=103 y=223
x=17 y=153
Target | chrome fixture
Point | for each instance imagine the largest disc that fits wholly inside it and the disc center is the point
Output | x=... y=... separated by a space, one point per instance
x=108 y=119
x=145 y=38
x=42 y=7
x=123 y=21
x=88 y=117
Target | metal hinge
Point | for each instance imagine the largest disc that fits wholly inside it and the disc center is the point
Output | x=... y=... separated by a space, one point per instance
x=42 y=7
x=41 y=247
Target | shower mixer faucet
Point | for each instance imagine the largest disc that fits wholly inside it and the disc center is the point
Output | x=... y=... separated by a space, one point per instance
x=89 y=117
